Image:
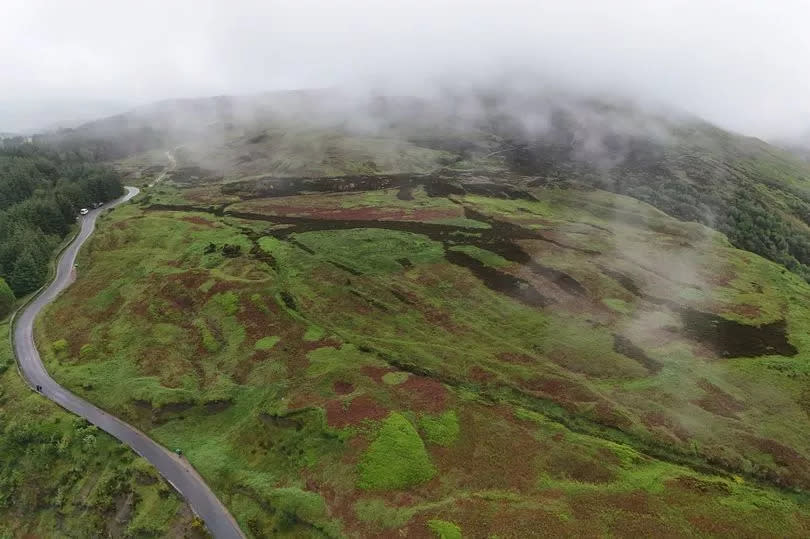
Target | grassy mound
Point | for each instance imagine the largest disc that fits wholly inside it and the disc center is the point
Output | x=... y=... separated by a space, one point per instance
x=396 y=458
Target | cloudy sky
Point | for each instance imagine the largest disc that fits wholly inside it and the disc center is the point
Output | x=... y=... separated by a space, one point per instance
x=740 y=63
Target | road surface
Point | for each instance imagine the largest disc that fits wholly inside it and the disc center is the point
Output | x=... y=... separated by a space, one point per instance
x=175 y=469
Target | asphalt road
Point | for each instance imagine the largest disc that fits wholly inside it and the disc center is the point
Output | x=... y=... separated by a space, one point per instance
x=175 y=469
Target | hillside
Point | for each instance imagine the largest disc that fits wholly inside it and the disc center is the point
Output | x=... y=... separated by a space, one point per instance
x=60 y=476
x=754 y=193
x=465 y=333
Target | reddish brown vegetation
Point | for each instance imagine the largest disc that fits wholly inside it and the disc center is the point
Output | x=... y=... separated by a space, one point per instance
x=480 y=375
x=718 y=401
x=659 y=419
x=578 y=467
x=439 y=318
x=514 y=357
x=363 y=407
x=194 y=219
x=693 y=484
x=257 y=323
x=559 y=389
x=490 y=442
x=796 y=468
x=369 y=213
x=329 y=342
x=716 y=526
x=422 y=393
x=606 y=414
x=343 y=388
x=636 y=501
x=303 y=399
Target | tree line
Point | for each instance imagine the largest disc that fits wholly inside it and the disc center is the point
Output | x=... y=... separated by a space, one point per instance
x=41 y=193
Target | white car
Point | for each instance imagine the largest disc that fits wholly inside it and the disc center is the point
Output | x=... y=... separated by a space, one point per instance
x=84 y=211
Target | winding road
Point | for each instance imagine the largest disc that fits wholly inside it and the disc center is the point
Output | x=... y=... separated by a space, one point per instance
x=174 y=468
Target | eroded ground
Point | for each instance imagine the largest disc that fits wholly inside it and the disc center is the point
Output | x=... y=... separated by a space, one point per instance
x=414 y=356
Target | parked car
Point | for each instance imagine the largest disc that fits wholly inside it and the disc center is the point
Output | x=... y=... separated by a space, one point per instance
x=84 y=211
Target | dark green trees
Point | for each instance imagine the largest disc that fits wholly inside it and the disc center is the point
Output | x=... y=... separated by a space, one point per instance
x=29 y=273
x=41 y=192
x=6 y=299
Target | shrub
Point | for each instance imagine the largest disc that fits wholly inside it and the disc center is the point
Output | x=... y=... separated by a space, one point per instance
x=60 y=348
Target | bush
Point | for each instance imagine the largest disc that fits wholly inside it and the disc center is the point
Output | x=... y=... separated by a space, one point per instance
x=60 y=348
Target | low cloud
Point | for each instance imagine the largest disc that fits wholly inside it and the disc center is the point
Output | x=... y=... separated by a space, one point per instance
x=737 y=63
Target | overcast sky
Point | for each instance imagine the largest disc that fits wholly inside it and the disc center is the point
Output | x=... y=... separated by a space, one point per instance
x=741 y=63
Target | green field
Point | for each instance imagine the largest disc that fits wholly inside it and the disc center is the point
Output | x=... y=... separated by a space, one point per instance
x=61 y=477
x=572 y=362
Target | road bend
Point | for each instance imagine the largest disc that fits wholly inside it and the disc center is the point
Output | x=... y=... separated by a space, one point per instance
x=174 y=468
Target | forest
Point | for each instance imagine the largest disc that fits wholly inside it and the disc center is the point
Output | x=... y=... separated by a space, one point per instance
x=41 y=193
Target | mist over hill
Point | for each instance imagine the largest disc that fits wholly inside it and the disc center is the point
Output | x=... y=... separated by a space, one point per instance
x=755 y=193
x=344 y=273
x=30 y=116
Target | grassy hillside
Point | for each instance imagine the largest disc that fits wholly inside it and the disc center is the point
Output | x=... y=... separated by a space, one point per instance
x=756 y=194
x=61 y=477
x=494 y=355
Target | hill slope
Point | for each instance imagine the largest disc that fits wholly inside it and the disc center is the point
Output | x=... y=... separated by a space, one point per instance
x=624 y=360
x=428 y=317
x=756 y=194
x=63 y=477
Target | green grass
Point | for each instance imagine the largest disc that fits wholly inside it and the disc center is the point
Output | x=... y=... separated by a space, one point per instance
x=61 y=476
x=619 y=305
x=487 y=257
x=267 y=343
x=396 y=459
x=314 y=333
x=440 y=429
x=416 y=379
x=445 y=530
x=395 y=378
x=372 y=250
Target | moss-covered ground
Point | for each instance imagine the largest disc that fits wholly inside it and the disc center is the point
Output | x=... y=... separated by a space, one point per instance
x=566 y=363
